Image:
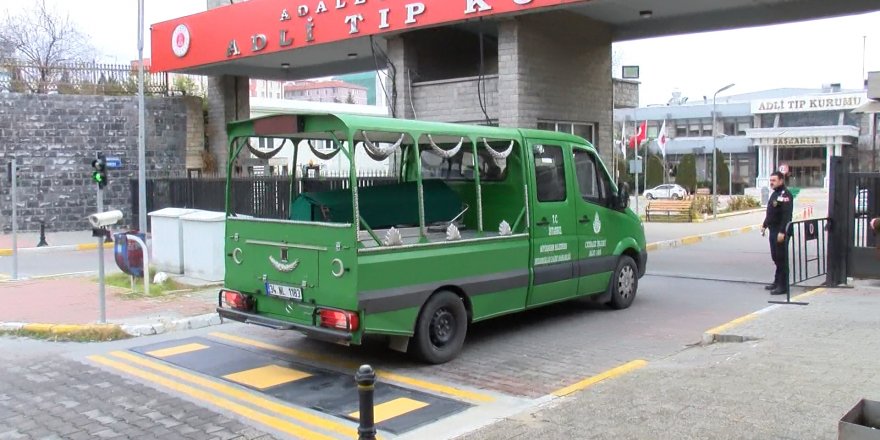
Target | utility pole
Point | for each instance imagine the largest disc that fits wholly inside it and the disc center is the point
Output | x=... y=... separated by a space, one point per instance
x=715 y=156
x=142 y=155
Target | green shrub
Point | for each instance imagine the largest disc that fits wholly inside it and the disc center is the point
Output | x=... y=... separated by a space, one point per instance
x=741 y=203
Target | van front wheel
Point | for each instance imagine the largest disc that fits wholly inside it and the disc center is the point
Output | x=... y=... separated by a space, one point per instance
x=624 y=283
x=441 y=328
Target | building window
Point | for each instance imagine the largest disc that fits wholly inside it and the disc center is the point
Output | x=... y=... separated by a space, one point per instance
x=694 y=129
x=584 y=130
x=681 y=129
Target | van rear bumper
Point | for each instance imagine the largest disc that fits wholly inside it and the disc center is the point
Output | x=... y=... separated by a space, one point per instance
x=324 y=334
x=643 y=263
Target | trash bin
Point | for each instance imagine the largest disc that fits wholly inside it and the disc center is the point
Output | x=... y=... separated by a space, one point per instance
x=860 y=423
x=128 y=253
x=203 y=249
x=167 y=233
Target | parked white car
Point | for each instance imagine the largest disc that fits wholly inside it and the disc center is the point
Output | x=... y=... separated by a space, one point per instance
x=667 y=191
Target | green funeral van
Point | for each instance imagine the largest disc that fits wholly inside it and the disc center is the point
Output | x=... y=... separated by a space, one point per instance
x=478 y=222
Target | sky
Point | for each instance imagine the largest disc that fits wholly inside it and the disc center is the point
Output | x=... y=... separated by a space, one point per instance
x=806 y=54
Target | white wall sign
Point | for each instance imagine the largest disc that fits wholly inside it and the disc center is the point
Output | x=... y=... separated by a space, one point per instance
x=810 y=103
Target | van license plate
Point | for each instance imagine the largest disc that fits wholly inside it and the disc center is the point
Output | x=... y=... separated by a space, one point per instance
x=284 y=291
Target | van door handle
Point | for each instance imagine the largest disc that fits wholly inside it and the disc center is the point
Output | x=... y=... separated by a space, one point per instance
x=584 y=219
x=543 y=222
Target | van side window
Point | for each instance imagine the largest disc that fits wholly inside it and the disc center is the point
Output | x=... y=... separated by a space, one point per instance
x=549 y=173
x=588 y=176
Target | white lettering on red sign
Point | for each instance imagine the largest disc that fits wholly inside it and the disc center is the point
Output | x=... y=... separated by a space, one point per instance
x=476 y=6
x=412 y=10
x=383 y=18
x=353 y=20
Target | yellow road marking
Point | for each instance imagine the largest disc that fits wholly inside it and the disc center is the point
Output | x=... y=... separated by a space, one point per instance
x=387 y=375
x=92 y=246
x=652 y=247
x=271 y=421
x=244 y=396
x=733 y=323
x=614 y=372
x=815 y=291
x=267 y=377
x=392 y=409
x=181 y=349
x=691 y=239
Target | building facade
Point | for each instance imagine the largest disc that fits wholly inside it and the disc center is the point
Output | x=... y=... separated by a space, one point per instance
x=326 y=91
x=795 y=130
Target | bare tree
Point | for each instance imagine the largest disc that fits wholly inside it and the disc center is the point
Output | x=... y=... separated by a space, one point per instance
x=44 y=40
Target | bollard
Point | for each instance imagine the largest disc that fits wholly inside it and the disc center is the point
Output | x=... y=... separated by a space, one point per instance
x=366 y=380
x=42 y=242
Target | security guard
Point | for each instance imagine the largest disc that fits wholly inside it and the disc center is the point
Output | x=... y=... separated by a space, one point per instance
x=779 y=211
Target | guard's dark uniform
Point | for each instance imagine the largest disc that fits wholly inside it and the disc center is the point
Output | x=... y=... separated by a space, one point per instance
x=779 y=211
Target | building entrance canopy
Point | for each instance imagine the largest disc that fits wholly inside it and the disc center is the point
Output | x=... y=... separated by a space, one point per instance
x=286 y=39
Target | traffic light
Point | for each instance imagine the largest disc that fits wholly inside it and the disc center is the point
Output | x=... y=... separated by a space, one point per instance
x=99 y=175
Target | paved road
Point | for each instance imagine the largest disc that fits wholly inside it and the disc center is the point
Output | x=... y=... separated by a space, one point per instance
x=53 y=263
x=515 y=360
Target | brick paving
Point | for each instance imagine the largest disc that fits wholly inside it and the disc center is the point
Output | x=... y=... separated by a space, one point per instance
x=75 y=301
x=45 y=396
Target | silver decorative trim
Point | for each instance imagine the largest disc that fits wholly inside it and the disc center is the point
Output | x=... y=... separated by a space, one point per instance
x=379 y=152
x=504 y=228
x=290 y=222
x=287 y=245
x=283 y=267
x=446 y=154
x=439 y=243
x=452 y=233
x=341 y=268
x=318 y=154
x=393 y=238
x=497 y=155
x=236 y=256
x=526 y=195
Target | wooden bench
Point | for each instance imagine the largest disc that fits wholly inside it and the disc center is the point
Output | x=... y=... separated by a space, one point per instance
x=670 y=210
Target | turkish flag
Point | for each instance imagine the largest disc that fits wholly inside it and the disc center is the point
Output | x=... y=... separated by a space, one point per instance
x=635 y=141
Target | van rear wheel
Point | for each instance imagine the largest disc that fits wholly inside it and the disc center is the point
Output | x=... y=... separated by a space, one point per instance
x=624 y=283
x=441 y=328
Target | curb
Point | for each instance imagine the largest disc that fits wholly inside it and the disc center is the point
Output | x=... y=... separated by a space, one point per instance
x=716 y=334
x=110 y=331
x=694 y=239
x=7 y=252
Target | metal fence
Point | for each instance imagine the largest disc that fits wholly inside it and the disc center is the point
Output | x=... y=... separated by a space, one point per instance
x=808 y=249
x=91 y=79
x=258 y=196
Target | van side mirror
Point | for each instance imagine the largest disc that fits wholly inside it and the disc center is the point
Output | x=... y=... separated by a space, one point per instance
x=622 y=200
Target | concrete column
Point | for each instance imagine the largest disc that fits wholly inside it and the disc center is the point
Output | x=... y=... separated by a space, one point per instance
x=830 y=151
x=228 y=100
x=402 y=55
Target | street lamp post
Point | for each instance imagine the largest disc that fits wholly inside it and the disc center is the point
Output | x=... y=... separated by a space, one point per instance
x=715 y=156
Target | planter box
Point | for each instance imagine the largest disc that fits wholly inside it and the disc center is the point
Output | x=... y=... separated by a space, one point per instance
x=860 y=423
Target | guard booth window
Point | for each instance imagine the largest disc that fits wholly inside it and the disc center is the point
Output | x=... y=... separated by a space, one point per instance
x=549 y=173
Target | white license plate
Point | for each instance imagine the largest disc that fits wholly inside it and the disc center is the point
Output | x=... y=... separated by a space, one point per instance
x=284 y=291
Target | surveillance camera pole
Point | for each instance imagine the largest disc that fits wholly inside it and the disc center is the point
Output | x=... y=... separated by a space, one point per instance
x=101 y=298
x=13 y=176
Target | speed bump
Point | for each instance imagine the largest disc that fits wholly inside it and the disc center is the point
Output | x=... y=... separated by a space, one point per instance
x=284 y=377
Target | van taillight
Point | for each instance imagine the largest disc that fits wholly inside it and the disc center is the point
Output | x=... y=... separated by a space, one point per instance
x=236 y=300
x=338 y=319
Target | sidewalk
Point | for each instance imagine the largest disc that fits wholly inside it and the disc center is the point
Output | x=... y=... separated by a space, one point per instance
x=801 y=369
x=75 y=301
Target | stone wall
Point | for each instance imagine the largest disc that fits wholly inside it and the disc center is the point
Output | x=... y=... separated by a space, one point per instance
x=55 y=138
x=456 y=100
x=626 y=93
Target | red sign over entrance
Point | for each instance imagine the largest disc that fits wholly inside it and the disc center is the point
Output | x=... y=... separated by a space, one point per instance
x=259 y=27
